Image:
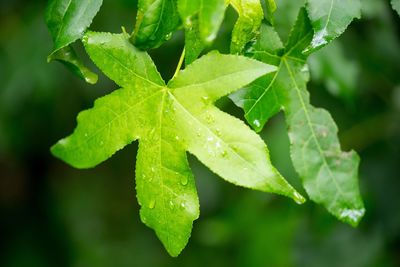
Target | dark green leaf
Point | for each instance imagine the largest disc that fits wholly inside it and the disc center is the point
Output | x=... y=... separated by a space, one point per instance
x=330 y=18
x=269 y=7
x=68 y=57
x=67 y=21
x=202 y=20
x=155 y=22
x=328 y=174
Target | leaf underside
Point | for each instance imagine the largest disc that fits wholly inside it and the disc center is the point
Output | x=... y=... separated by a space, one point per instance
x=170 y=120
x=328 y=174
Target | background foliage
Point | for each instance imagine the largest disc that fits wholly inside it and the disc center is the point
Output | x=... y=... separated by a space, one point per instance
x=53 y=215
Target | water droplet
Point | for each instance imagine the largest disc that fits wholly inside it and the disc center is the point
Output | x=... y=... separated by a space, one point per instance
x=171 y=204
x=168 y=36
x=101 y=143
x=183 y=205
x=299 y=199
x=152 y=204
x=153 y=170
x=224 y=153
x=198 y=134
x=184 y=180
x=177 y=138
x=210 y=118
x=205 y=99
x=319 y=38
x=86 y=134
x=218 y=132
x=211 y=37
x=323 y=133
x=257 y=123
x=352 y=215
x=188 y=22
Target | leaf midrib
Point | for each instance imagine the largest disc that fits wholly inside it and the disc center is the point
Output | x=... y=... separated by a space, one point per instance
x=282 y=58
x=309 y=123
x=129 y=70
x=257 y=170
x=116 y=117
x=62 y=21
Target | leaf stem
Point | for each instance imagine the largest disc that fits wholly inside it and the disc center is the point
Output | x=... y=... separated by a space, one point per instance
x=178 y=68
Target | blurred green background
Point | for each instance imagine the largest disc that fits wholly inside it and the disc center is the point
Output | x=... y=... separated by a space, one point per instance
x=54 y=215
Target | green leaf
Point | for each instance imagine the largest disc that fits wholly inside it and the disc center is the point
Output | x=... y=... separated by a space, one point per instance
x=259 y=99
x=193 y=43
x=202 y=20
x=170 y=120
x=68 y=57
x=330 y=19
x=246 y=28
x=328 y=174
x=67 y=21
x=269 y=7
x=396 y=5
x=155 y=22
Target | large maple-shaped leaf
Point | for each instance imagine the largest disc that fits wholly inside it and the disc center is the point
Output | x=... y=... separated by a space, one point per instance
x=67 y=21
x=170 y=120
x=328 y=174
x=330 y=19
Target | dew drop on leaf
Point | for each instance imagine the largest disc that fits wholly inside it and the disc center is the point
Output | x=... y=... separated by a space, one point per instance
x=168 y=36
x=224 y=153
x=152 y=204
x=210 y=118
x=205 y=99
x=184 y=180
x=188 y=22
x=299 y=199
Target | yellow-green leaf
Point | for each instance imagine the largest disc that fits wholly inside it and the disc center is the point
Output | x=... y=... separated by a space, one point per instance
x=170 y=120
